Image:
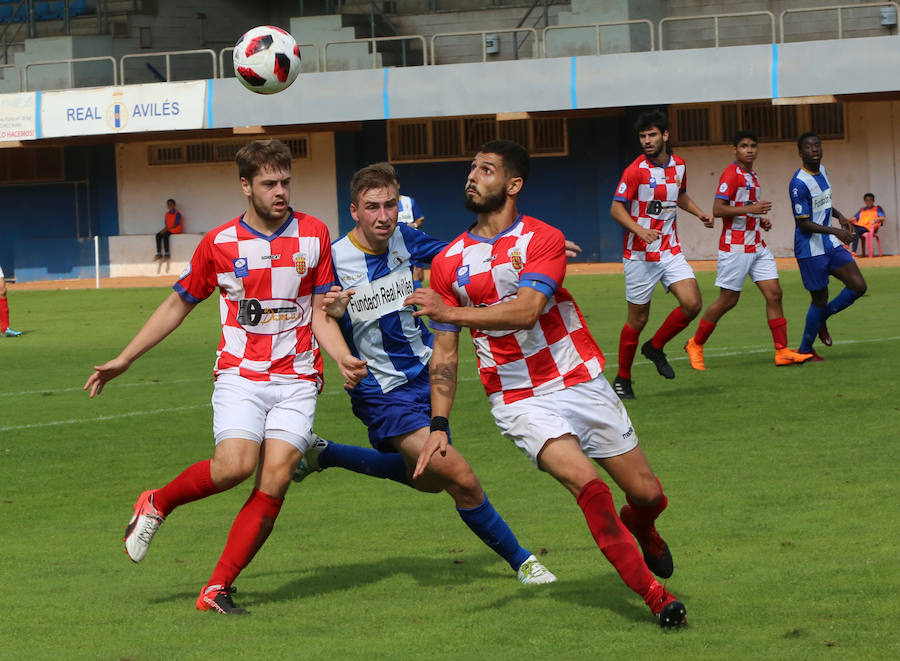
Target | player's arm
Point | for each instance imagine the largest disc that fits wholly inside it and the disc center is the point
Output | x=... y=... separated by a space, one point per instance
x=685 y=202
x=328 y=334
x=722 y=209
x=620 y=214
x=166 y=318
x=842 y=219
x=804 y=224
x=518 y=313
x=443 y=370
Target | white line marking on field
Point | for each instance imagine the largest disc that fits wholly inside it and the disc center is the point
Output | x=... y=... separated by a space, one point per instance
x=118 y=385
x=723 y=351
x=130 y=414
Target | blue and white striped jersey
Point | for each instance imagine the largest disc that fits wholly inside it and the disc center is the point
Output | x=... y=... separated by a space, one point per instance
x=377 y=326
x=811 y=198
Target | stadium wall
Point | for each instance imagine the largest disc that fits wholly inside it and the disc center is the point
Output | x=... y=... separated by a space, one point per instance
x=45 y=225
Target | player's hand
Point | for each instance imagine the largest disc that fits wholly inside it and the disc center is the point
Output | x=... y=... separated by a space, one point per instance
x=572 y=249
x=336 y=300
x=765 y=223
x=430 y=304
x=648 y=236
x=352 y=369
x=845 y=235
x=104 y=373
x=437 y=442
x=707 y=220
x=762 y=207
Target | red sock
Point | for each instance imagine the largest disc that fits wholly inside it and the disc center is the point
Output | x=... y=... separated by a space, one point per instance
x=779 y=332
x=194 y=483
x=676 y=322
x=4 y=314
x=249 y=531
x=628 y=341
x=704 y=330
x=613 y=537
x=645 y=515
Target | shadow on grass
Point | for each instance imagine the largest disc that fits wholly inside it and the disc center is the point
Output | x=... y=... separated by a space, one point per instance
x=605 y=591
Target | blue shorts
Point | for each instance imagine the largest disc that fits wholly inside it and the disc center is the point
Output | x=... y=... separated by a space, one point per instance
x=814 y=270
x=403 y=410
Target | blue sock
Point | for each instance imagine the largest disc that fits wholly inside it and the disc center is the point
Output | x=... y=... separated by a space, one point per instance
x=814 y=318
x=485 y=522
x=843 y=300
x=368 y=461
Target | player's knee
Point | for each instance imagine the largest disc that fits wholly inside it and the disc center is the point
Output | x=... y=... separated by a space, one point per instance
x=231 y=471
x=692 y=308
x=646 y=491
x=860 y=287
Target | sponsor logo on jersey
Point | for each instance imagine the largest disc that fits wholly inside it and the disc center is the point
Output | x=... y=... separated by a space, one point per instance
x=271 y=257
x=515 y=258
x=381 y=296
x=241 y=270
x=821 y=201
x=724 y=187
x=268 y=317
x=300 y=263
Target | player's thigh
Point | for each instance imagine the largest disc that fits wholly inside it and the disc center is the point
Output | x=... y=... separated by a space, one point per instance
x=763 y=267
x=732 y=270
x=847 y=271
x=291 y=412
x=233 y=461
x=589 y=412
x=641 y=278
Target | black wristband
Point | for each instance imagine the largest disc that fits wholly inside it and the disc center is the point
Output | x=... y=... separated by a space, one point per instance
x=440 y=423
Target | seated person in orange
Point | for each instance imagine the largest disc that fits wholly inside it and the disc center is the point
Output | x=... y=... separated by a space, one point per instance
x=868 y=219
x=173 y=226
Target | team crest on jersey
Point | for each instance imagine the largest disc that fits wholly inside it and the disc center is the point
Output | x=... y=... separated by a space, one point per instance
x=515 y=258
x=300 y=263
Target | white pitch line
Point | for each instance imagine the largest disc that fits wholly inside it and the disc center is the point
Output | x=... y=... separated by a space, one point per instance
x=723 y=351
x=75 y=421
x=118 y=385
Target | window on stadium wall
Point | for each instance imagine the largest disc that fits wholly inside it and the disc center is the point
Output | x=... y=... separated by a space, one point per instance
x=457 y=138
x=31 y=164
x=213 y=151
x=716 y=123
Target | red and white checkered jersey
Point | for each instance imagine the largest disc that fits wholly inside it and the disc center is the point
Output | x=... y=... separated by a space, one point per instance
x=266 y=285
x=650 y=194
x=739 y=187
x=559 y=350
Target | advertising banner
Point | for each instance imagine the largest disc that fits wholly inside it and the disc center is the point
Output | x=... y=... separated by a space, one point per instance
x=17 y=116
x=128 y=109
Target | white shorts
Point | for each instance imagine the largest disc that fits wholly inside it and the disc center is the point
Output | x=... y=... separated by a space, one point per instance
x=641 y=276
x=1 y=272
x=590 y=411
x=734 y=267
x=257 y=410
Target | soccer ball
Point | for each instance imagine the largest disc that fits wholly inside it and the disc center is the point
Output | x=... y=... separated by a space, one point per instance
x=266 y=59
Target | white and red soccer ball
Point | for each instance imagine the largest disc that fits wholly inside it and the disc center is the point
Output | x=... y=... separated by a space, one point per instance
x=266 y=59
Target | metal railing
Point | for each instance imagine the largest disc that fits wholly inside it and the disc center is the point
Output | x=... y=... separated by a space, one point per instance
x=168 y=55
x=840 y=13
x=484 y=33
x=556 y=28
x=372 y=43
x=715 y=18
x=230 y=50
x=71 y=62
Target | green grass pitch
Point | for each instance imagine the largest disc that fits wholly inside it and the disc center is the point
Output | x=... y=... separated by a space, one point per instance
x=783 y=517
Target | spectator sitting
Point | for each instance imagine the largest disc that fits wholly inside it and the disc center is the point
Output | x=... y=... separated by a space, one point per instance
x=173 y=226
x=868 y=219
